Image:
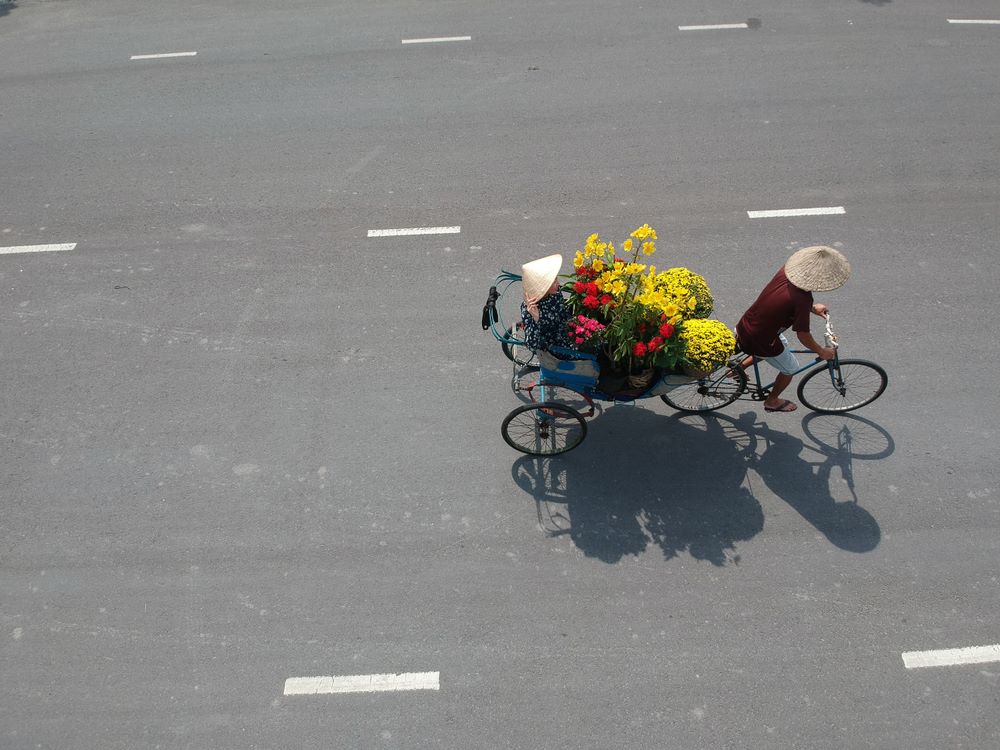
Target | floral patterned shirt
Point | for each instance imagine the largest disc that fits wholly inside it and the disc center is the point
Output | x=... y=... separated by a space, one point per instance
x=552 y=327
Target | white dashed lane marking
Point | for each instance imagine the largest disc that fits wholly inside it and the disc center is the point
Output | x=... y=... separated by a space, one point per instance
x=438 y=39
x=37 y=248
x=363 y=683
x=163 y=54
x=713 y=27
x=981 y=21
x=950 y=657
x=413 y=231
x=822 y=211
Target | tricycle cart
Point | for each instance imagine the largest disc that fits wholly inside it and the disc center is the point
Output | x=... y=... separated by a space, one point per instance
x=561 y=384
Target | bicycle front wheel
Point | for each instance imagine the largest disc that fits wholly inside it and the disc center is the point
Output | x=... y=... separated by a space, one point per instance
x=545 y=429
x=845 y=386
x=711 y=392
x=518 y=352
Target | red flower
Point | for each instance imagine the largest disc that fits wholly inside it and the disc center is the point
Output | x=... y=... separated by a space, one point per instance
x=655 y=343
x=666 y=330
x=591 y=302
x=592 y=288
x=579 y=287
x=607 y=299
x=639 y=350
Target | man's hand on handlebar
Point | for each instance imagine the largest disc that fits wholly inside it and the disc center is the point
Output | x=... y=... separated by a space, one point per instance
x=826 y=352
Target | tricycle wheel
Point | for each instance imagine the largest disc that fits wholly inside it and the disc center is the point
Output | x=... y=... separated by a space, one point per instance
x=517 y=352
x=544 y=429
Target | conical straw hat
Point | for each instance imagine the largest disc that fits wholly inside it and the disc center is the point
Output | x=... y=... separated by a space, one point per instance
x=818 y=269
x=538 y=275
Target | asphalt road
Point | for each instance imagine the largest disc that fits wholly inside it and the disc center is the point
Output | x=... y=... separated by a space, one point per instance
x=245 y=442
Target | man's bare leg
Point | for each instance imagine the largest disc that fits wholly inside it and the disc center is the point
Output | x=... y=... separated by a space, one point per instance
x=773 y=402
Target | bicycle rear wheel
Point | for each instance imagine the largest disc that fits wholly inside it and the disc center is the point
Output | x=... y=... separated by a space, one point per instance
x=711 y=392
x=845 y=386
x=545 y=429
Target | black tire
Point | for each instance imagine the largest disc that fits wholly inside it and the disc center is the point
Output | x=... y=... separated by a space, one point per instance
x=712 y=392
x=518 y=353
x=545 y=429
x=856 y=384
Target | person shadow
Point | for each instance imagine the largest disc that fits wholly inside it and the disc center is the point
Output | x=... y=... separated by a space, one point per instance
x=642 y=480
x=683 y=483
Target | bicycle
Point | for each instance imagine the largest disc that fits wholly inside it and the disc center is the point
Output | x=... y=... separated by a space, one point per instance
x=833 y=386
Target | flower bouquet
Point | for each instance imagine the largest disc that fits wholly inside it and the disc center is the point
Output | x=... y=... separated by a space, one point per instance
x=638 y=319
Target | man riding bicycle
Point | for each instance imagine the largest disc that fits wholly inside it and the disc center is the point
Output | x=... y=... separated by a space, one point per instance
x=786 y=302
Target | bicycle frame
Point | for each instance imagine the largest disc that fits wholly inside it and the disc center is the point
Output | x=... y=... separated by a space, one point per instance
x=759 y=392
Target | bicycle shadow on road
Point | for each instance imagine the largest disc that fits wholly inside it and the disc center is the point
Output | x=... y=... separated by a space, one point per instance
x=641 y=479
x=681 y=483
x=839 y=440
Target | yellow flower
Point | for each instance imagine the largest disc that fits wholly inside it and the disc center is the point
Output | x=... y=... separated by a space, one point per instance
x=597 y=264
x=627 y=246
x=578 y=259
x=644 y=232
x=648 y=248
x=707 y=343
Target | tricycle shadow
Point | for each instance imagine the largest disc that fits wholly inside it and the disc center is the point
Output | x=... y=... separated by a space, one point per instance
x=682 y=483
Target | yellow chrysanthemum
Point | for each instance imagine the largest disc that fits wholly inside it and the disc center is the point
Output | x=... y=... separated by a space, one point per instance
x=707 y=343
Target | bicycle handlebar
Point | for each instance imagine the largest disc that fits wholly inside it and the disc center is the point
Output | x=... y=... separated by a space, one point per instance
x=829 y=335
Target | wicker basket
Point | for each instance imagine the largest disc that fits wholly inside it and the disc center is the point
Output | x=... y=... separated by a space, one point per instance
x=642 y=379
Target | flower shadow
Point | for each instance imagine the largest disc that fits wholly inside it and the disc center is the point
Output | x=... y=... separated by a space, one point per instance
x=641 y=480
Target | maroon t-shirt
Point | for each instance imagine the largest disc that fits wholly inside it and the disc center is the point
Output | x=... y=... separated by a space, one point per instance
x=781 y=305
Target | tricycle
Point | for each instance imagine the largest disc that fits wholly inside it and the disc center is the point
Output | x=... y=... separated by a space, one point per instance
x=562 y=384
